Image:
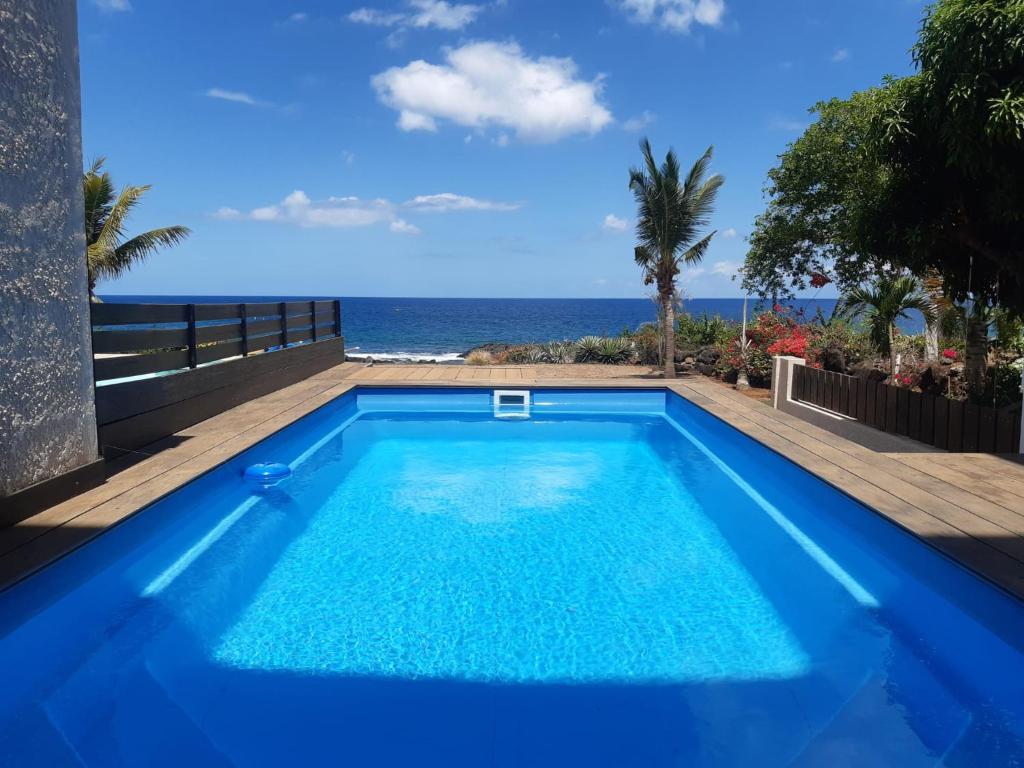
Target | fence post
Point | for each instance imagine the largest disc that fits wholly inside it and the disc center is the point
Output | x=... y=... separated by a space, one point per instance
x=312 y=319
x=284 y=324
x=783 y=373
x=243 y=316
x=337 y=317
x=192 y=336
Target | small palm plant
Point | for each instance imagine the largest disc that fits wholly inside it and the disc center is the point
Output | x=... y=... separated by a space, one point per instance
x=880 y=305
x=671 y=210
x=108 y=254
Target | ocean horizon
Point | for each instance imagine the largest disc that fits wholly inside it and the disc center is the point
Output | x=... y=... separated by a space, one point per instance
x=445 y=329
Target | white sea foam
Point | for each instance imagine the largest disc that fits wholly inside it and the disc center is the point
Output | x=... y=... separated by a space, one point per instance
x=416 y=357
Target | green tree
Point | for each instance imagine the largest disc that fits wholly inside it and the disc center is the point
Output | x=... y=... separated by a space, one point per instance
x=825 y=203
x=108 y=253
x=670 y=212
x=953 y=135
x=882 y=303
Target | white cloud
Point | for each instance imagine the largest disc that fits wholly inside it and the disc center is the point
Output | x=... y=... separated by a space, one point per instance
x=404 y=227
x=494 y=84
x=376 y=18
x=675 y=15
x=298 y=17
x=239 y=97
x=416 y=121
x=344 y=212
x=449 y=201
x=729 y=233
x=639 y=122
x=614 y=224
x=841 y=54
x=725 y=268
x=422 y=14
x=113 y=5
x=348 y=157
x=786 y=124
x=300 y=210
x=443 y=15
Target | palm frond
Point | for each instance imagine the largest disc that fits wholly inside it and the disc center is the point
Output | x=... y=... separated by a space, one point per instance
x=123 y=257
x=695 y=253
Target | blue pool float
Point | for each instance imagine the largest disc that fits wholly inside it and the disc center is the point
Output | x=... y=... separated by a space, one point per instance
x=267 y=474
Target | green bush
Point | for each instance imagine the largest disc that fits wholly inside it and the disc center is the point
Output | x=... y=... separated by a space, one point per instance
x=588 y=348
x=704 y=331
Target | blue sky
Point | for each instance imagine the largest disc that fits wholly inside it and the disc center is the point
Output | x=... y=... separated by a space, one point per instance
x=429 y=148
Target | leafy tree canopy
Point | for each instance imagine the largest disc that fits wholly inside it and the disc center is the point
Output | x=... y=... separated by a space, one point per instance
x=825 y=199
x=925 y=172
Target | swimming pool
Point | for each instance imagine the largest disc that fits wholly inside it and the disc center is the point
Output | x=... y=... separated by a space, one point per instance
x=615 y=578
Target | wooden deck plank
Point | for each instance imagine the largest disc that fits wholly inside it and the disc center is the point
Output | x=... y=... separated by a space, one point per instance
x=925 y=492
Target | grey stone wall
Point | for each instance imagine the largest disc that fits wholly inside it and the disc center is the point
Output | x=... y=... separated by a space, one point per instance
x=47 y=411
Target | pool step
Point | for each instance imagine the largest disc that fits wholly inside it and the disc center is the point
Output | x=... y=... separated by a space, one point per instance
x=140 y=725
x=875 y=728
x=33 y=740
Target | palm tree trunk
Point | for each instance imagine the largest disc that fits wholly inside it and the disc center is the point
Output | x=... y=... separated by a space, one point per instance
x=670 y=337
x=976 y=362
x=931 y=342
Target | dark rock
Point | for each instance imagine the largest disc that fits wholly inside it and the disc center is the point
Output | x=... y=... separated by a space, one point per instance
x=706 y=369
x=686 y=353
x=868 y=372
x=708 y=356
x=834 y=360
x=493 y=348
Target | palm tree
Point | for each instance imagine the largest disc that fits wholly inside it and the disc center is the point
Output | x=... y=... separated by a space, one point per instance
x=882 y=304
x=670 y=211
x=108 y=254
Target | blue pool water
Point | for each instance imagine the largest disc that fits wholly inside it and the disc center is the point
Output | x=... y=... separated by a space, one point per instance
x=618 y=580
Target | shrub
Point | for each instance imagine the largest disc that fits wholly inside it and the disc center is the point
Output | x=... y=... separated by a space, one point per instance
x=614 y=350
x=647 y=344
x=479 y=357
x=588 y=348
x=558 y=352
x=705 y=331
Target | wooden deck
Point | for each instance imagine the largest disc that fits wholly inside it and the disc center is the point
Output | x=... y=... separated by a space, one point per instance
x=970 y=506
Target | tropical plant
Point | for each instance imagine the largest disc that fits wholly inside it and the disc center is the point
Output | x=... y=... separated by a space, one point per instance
x=614 y=350
x=558 y=352
x=671 y=211
x=587 y=349
x=108 y=254
x=881 y=304
x=703 y=331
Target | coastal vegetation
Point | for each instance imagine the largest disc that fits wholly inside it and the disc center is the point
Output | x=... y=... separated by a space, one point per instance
x=671 y=212
x=109 y=251
x=916 y=179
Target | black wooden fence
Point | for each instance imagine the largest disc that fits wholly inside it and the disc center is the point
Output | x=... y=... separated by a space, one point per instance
x=135 y=339
x=931 y=419
x=151 y=361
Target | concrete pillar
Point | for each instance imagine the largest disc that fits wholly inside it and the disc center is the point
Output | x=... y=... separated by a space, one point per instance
x=48 y=446
x=782 y=379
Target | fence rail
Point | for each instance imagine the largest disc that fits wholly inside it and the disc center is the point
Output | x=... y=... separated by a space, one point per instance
x=259 y=348
x=931 y=419
x=136 y=339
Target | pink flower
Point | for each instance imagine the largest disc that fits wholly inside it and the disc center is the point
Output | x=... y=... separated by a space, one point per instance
x=949 y=354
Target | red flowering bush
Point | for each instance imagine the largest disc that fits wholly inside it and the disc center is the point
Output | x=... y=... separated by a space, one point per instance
x=793 y=342
x=949 y=354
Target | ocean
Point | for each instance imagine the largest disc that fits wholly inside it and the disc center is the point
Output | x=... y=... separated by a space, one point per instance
x=443 y=329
